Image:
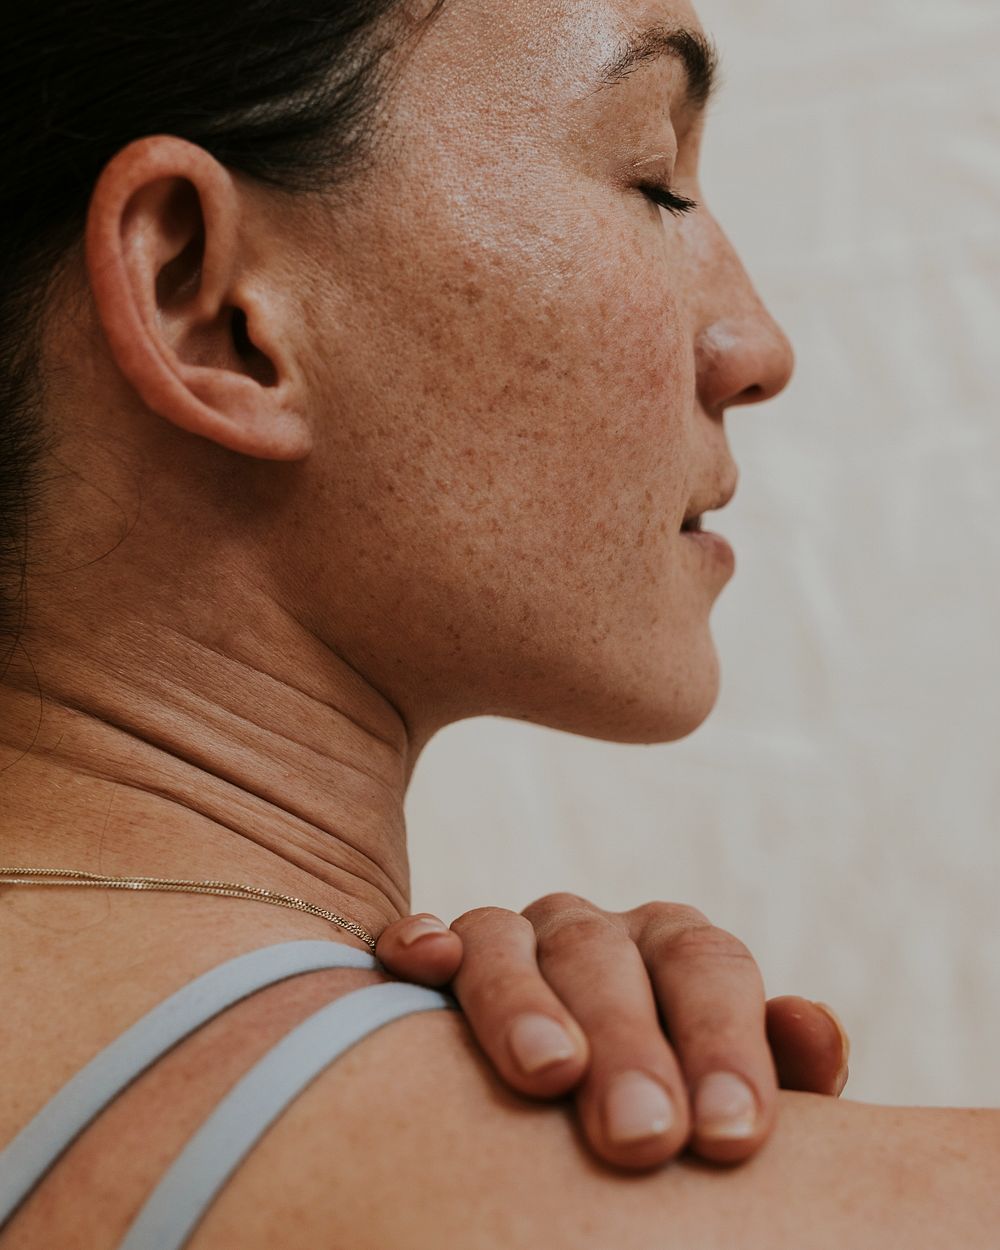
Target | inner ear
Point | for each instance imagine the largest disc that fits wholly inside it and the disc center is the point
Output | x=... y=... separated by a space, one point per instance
x=180 y=278
x=256 y=364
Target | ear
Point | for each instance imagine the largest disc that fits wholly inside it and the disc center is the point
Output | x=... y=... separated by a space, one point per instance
x=194 y=320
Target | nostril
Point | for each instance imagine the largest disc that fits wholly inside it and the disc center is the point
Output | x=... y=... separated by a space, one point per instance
x=750 y=395
x=741 y=360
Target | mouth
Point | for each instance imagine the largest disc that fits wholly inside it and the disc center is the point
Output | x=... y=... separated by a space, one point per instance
x=694 y=518
x=712 y=550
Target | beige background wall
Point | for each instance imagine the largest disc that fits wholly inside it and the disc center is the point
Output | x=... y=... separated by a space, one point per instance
x=840 y=810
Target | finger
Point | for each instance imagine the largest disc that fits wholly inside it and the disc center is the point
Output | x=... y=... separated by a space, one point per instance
x=527 y=1033
x=712 y=999
x=809 y=1044
x=632 y=1103
x=421 y=949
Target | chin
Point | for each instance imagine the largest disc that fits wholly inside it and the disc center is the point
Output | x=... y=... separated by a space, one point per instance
x=652 y=705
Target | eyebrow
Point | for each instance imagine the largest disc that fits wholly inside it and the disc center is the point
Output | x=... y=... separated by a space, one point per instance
x=694 y=50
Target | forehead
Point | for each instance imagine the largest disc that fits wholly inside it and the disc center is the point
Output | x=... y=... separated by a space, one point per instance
x=499 y=94
x=543 y=48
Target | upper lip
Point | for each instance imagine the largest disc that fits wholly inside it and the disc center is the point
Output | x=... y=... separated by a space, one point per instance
x=710 y=503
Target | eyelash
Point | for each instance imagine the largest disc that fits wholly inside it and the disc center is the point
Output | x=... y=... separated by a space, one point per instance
x=675 y=204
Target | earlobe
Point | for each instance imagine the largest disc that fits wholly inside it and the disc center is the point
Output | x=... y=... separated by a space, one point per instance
x=194 y=329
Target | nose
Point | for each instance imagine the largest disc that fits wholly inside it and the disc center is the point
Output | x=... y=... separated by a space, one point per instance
x=741 y=353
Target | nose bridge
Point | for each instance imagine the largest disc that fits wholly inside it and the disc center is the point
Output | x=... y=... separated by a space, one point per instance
x=742 y=354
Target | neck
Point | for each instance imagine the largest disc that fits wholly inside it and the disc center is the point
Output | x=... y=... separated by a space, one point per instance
x=133 y=747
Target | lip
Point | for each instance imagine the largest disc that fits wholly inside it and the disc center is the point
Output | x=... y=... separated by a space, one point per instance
x=713 y=548
x=705 y=504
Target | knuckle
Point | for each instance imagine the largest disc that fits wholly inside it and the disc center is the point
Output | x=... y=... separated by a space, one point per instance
x=690 y=915
x=551 y=913
x=706 y=941
x=674 y=915
x=574 y=931
x=494 y=917
x=496 y=929
x=555 y=904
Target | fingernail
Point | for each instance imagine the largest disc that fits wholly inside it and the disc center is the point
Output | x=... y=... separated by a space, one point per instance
x=637 y=1107
x=845 y=1041
x=725 y=1107
x=537 y=1041
x=421 y=927
x=840 y=1080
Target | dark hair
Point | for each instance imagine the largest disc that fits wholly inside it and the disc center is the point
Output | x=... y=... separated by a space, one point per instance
x=285 y=91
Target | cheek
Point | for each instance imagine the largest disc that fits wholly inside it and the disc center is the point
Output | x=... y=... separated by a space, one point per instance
x=622 y=405
x=558 y=386
x=512 y=433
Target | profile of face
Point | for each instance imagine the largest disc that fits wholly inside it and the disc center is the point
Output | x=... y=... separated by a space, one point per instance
x=514 y=350
x=525 y=362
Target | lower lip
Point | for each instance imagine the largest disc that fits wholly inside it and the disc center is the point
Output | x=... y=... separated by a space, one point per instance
x=713 y=546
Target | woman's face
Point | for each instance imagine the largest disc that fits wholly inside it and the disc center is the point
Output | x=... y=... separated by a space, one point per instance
x=519 y=366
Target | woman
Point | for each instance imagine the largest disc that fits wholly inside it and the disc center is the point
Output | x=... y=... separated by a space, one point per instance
x=724 y=1034
x=387 y=376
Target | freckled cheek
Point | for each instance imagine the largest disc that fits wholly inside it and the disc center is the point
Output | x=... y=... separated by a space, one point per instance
x=596 y=386
x=651 y=381
x=646 y=364
x=550 y=397
x=637 y=368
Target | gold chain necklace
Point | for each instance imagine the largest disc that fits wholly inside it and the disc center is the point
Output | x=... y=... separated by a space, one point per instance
x=228 y=888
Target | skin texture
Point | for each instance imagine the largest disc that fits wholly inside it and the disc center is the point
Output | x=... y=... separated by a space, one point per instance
x=276 y=566
x=335 y=472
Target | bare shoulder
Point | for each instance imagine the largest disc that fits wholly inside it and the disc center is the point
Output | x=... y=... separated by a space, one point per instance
x=410 y=1142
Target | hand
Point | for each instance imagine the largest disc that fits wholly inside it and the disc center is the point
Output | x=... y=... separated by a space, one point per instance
x=607 y=978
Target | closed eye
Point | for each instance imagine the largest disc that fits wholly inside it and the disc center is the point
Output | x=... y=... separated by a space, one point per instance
x=676 y=204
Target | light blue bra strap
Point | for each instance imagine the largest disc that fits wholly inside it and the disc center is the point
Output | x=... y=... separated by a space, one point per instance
x=33 y=1151
x=194 y=1178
